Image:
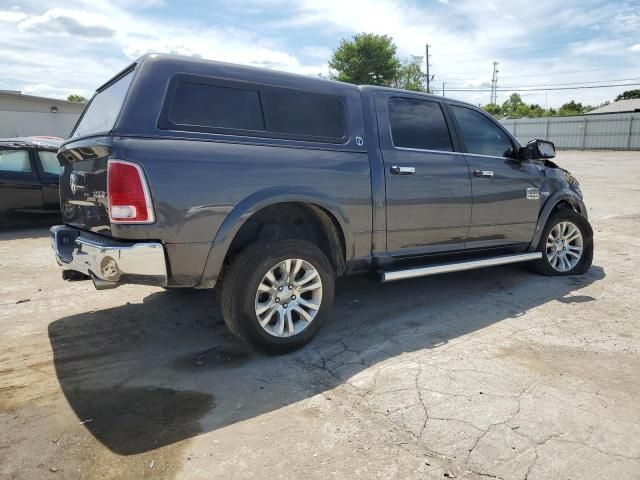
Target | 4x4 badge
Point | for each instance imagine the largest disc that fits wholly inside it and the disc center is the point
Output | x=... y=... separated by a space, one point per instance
x=533 y=193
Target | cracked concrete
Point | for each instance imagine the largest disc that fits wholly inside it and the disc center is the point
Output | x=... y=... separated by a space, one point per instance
x=495 y=373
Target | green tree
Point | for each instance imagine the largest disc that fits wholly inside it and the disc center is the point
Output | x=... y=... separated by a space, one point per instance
x=628 y=95
x=536 y=110
x=493 y=109
x=410 y=76
x=514 y=106
x=76 y=98
x=366 y=59
x=571 y=108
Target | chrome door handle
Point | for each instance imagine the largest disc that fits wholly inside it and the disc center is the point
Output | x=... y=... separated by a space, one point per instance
x=396 y=170
x=483 y=173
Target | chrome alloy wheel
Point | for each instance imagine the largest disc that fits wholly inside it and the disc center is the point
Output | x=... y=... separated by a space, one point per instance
x=288 y=297
x=564 y=246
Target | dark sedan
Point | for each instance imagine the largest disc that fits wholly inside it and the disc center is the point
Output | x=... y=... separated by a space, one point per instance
x=29 y=178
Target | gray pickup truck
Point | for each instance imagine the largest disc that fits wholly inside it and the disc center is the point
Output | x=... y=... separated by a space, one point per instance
x=183 y=172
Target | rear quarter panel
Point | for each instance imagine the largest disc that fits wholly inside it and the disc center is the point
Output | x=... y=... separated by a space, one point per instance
x=199 y=186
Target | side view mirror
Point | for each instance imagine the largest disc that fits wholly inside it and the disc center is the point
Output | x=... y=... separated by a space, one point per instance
x=537 y=149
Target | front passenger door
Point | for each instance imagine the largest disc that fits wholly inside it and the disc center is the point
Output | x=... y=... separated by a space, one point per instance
x=20 y=192
x=506 y=191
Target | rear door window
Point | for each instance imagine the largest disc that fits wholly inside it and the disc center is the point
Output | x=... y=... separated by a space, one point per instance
x=479 y=134
x=16 y=161
x=103 y=109
x=418 y=124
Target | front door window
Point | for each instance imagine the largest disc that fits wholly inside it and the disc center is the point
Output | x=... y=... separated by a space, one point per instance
x=479 y=134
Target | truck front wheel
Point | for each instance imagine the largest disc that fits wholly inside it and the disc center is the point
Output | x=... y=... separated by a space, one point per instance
x=276 y=294
x=566 y=244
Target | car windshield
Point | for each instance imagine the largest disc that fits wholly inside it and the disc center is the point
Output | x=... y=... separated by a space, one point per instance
x=103 y=110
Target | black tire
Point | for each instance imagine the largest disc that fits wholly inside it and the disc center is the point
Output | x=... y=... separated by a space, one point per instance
x=543 y=266
x=241 y=281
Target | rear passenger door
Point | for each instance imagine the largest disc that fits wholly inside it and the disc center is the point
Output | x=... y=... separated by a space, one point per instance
x=20 y=192
x=428 y=185
x=506 y=191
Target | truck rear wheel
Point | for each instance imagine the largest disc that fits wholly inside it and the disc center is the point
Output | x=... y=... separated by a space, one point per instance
x=566 y=244
x=276 y=294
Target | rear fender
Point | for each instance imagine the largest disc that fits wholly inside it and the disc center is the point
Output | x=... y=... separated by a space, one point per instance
x=254 y=203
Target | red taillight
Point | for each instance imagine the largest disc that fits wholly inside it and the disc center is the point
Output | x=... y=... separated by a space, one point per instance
x=128 y=194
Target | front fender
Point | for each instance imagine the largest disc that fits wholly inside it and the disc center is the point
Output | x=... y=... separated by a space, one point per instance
x=257 y=201
x=565 y=195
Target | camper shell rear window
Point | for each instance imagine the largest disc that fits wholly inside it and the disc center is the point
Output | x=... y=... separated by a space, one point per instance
x=103 y=109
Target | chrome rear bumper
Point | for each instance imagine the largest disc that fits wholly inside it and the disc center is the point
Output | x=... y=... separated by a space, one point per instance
x=109 y=262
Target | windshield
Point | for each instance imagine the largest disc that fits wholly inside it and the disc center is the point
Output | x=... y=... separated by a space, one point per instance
x=103 y=110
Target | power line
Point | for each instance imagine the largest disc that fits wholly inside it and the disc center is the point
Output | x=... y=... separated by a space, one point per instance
x=502 y=56
x=559 y=84
x=527 y=49
x=541 y=89
x=474 y=59
x=556 y=74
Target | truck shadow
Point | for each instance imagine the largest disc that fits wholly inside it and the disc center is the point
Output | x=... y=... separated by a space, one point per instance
x=142 y=376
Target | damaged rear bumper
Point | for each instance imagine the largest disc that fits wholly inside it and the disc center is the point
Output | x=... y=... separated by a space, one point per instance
x=106 y=261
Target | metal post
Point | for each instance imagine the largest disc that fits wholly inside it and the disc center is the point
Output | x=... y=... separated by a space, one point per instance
x=428 y=74
x=546 y=134
x=630 y=131
x=584 y=134
x=494 y=84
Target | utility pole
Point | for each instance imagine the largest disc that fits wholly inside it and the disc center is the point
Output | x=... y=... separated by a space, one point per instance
x=426 y=59
x=443 y=89
x=494 y=84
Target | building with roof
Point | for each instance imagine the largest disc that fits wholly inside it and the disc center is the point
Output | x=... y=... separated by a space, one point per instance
x=621 y=106
x=27 y=115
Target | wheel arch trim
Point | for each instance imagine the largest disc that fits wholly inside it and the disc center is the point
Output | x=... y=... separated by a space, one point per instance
x=256 y=202
x=564 y=195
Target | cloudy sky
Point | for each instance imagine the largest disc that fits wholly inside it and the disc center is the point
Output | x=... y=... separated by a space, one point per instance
x=54 y=48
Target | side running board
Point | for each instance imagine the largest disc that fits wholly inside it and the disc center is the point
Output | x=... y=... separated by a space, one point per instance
x=457 y=266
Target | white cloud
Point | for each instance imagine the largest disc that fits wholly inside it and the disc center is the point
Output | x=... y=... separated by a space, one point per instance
x=220 y=45
x=78 y=47
x=67 y=22
x=74 y=50
x=12 y=16
x=599 y=47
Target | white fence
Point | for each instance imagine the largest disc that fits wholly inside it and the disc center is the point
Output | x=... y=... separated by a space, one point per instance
x=613 y=131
